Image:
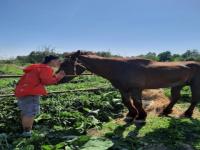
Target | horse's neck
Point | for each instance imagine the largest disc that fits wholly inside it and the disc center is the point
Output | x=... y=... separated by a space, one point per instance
x=95 y=65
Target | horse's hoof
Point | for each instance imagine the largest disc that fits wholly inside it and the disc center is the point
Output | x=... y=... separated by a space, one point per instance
x=185 y=115
x=165 y=113
x=128 y=119
x=139 y=123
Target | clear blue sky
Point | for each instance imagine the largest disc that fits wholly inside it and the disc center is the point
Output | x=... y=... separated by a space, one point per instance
x=126 y=27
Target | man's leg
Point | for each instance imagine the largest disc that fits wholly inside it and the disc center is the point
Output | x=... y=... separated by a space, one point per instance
x=29 y=107
x=27 y=123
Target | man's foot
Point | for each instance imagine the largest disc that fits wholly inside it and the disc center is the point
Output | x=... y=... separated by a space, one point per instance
x=27 y=134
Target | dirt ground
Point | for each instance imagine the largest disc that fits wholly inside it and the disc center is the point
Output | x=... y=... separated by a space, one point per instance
x=157 y=101
x=154 y=102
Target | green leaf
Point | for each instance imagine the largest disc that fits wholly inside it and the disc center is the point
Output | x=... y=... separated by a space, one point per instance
x=67 y=148
x=81 y=140
x=60 y=145
x=43 y=116
x=58 y=128
x=87 y=109
x=94 y=120
x=47 y=147
x=29 y=147
x=97 y=144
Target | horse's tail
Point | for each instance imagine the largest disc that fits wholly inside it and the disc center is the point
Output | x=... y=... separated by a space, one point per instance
x=195 y=68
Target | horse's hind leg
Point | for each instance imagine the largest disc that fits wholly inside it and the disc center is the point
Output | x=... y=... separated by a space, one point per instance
x=175 y=95
x=195 y=88
x=137 y=99
x=126 y=99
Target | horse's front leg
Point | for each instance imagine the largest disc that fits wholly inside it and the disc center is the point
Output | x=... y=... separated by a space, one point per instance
x=137 y=99
x=126 y=99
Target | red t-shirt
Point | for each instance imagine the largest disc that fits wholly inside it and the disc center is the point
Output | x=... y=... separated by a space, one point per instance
x=35 y=78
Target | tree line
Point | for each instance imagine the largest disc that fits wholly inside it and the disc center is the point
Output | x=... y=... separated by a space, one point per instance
x=189 y=55
x=38 y=56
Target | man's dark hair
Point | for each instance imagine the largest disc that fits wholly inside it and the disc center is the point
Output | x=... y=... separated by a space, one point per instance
x=49 y=58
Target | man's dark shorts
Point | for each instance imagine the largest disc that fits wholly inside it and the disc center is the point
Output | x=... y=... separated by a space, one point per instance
x=29 y=105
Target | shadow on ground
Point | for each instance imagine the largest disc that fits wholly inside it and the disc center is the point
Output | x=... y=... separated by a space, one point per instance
x=176 y=134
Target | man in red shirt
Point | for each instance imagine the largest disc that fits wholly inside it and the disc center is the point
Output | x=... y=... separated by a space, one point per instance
x=32 y=85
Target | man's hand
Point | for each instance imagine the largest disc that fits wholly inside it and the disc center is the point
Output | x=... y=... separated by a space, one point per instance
x=60 y=74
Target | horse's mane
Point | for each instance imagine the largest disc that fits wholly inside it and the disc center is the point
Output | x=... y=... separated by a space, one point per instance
x=87 y=53
x=67 y=54
x=127 y=59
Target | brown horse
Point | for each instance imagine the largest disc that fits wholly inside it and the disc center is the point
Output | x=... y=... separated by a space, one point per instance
x=132 y=75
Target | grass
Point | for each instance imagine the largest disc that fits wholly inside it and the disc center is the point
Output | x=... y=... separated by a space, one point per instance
x=66 y=119
x=170 y=132
x=10 y=69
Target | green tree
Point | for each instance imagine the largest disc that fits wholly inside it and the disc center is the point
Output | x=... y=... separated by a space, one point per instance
x=191 y=55
x=151 y=55
x=106 y=54
x=165 y=56
x=37 y=56
x=176 y=57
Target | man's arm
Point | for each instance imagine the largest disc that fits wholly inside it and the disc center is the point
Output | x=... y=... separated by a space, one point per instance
x=47 y=77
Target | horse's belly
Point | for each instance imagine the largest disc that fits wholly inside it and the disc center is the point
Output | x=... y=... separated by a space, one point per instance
x=157 y=84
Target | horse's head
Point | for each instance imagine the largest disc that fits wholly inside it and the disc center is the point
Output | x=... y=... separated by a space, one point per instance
x=69 y=66
x=75 y=55
x=74 y=58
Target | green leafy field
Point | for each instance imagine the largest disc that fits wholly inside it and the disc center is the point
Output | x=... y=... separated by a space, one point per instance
x=91 y=121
